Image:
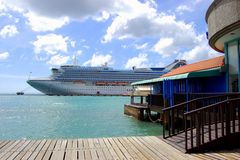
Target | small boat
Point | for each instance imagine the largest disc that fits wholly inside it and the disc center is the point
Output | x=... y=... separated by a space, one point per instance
x=20 y=93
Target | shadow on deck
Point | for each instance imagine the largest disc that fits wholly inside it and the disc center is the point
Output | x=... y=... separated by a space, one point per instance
x=209 y=144
x=203 y=126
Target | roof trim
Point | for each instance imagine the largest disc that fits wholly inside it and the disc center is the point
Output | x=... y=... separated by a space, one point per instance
x=203 y=73
x=149 y=81
x=197 y=66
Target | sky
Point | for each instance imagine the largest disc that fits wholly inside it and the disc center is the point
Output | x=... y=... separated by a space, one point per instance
x=36 y=35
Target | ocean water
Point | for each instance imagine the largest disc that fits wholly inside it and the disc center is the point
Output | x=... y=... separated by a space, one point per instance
x=38 y=117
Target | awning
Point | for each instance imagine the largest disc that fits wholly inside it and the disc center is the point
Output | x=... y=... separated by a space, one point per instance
x=204 y=73
x=149 y=81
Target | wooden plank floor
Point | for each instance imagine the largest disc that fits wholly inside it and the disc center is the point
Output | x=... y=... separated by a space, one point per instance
x=142 y=148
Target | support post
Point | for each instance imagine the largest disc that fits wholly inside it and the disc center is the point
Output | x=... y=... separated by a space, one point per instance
x=132 y=99
x=227 y=66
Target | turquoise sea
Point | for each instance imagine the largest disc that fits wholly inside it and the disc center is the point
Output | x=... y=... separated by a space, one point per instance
x=38 y=117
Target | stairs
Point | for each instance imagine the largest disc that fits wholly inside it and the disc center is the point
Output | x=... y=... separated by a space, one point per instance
x=203 y=124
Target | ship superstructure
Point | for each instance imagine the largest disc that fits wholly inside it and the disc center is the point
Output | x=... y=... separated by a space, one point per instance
x=80 y=80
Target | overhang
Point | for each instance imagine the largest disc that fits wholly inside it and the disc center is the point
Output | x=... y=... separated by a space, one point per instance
x=204 y=73
x=223 y=18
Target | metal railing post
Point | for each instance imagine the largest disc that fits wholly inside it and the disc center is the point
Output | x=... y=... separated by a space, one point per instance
x=163 y=117
x=227 y=106
x=185 y=130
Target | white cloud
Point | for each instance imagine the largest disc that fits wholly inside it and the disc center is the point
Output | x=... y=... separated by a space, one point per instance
x=4 y=56
x=132 y=20
x=8 y=15
x=75 y=9
x=51 y=15
x=140 y=20
x=6 y=6
x=79 y=52
x=4 y=14
x=8 y=31
x=183 y=8
x=41 y=23
x=82 y=40
x=51 y=44
x=103 y=17
x=2 y=6
x=148 y=24
x=140 y=61
x=73 y=43
x=124 y=46
x=52 y=12
x=58 y=60
x=86 y=46
x=99 y=59
x=201 y=51
x=152 y=3
x=16 y=20
x=179 y=37
x=163 y=46
x=142 y=46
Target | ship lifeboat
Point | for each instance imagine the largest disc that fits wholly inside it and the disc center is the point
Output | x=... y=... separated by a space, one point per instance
x=100 y=83
x=122 y=83
x=78 y=82
x=112 y=83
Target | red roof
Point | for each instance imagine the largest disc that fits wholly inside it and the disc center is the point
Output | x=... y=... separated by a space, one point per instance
x=198 y=66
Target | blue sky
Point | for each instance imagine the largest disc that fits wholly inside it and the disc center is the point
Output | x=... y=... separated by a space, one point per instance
x=38 y=35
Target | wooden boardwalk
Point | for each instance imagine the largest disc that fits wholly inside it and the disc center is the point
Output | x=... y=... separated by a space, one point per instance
x=142 y=148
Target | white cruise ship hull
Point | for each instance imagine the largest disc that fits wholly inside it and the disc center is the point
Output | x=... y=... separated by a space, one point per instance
x=83 y=80
x=53 y=87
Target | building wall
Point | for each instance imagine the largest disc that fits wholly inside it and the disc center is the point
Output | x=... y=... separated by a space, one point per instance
x=221 y=14
x=213 y=84
x=232 y=54
x=223 y=17
x=157 y=88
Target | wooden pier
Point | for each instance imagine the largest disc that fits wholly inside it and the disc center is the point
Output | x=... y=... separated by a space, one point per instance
x=135 y=110
x=142 y=108
x=142 y=148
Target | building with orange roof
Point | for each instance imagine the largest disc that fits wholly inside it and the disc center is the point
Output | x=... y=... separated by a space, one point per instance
x=216 y=75
x=198 y=66
x=206 y=76
x=198 y=98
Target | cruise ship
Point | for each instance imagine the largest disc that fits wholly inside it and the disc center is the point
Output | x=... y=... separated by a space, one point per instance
x=80 y=80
